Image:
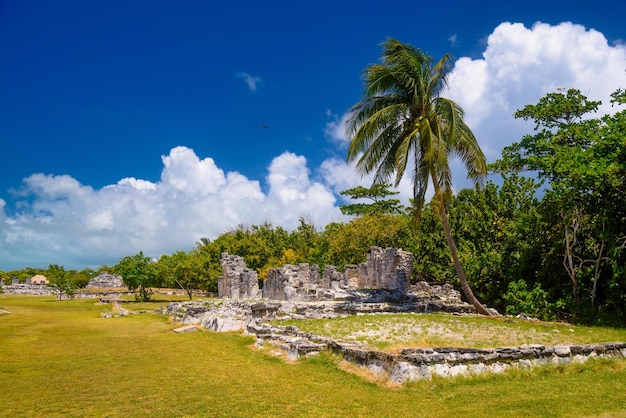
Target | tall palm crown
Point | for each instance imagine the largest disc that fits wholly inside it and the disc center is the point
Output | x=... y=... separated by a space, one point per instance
x=404 y=116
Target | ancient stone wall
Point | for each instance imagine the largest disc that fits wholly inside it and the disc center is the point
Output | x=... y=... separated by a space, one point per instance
x=297 y=283
x=237 y=281
x=388 y=269
x=106 y=280
x=424 y=363
x=27 y=289
x=385 y=269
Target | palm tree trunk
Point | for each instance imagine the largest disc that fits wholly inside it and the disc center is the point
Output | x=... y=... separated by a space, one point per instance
x=467 y=290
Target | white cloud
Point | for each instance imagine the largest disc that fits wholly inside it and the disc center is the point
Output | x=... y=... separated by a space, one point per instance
x=61 y=221
x=252 y=81
x=335 y=129
x=520 y=65
x=340 y=175
x=292 y=194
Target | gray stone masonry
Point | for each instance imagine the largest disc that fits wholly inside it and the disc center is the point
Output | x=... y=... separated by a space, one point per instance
x=423 y=363
x=237 y=281
x=106 y=280
x=385 y=270
x=27 y=289
x=403 y=366
x=238 y=315
x=301 y=282
x=388 y=269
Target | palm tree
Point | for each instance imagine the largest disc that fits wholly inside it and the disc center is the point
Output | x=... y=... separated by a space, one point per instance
x=403 y=119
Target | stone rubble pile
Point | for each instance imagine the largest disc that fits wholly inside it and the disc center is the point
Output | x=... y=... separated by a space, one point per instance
x=239 y=315
x=381 y=284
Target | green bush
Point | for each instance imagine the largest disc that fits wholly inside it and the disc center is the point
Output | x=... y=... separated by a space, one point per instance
x=532 y=302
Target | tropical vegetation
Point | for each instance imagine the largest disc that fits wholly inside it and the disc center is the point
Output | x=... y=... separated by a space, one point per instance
x=404 y=118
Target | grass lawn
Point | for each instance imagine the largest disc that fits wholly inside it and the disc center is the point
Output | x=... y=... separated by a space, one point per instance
x=60 y=358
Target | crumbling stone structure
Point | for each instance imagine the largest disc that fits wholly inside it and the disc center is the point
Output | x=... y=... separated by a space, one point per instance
x=388 y=269
x=380 y=285
x=237 y=281
x=26 y=289
x=106 y=280
x=291 y=282
x=385 y=269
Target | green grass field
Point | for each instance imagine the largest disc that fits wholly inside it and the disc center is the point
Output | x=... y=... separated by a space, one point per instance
x=60 y=358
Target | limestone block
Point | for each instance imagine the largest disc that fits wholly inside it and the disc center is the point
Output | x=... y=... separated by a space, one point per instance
x=388 y=269
x=406 y=372
x=351 y=276
x=237 y=280
x=477 y=368
x=187 y=328
x=562 y=350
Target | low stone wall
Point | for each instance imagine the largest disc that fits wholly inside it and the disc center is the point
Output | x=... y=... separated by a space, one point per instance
x=413 y=364
x=408 y=365
x=27 y=289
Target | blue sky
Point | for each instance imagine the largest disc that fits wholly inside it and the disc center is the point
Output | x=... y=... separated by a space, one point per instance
x=138 y=125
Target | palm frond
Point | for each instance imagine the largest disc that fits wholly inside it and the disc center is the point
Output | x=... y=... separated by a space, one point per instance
x=403 y=115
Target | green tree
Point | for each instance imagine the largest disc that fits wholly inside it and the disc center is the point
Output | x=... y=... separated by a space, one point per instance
x=431 y=256
x=584 y=161
x=259 y=245
x=81 y=278
x=209 y=252
x=403 y=118
x=306 y=243
x=5 y=277
x=182 y=269
x=377 y=194
x=61 y=281
x=138 y=274
x=348 y=243
x=499 y=232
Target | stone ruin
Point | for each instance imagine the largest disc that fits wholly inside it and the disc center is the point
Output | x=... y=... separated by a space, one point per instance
x=380 y=284
x=106 y=280
x=27 y=288
x=386 y=270
x=237 y=280
x=103 y=281
x=411 y=364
